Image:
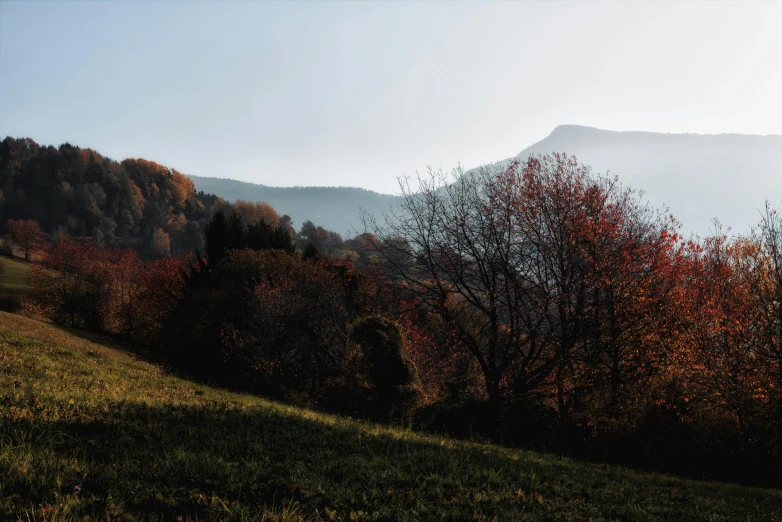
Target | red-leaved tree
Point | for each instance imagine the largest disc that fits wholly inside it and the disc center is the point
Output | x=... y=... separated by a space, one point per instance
x=106 y=289
x=28 y=234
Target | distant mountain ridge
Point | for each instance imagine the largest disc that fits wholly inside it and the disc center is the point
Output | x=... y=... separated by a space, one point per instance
x=334 y=208
x=698 y=176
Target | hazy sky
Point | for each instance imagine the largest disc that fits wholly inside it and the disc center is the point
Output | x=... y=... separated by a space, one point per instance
x=332 y=93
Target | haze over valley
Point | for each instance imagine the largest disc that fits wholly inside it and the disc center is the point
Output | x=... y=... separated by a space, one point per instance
x=698 y=177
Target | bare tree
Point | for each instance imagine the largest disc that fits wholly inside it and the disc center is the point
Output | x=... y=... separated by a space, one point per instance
x=536 y=266
x=454 y=244
x=767 y=290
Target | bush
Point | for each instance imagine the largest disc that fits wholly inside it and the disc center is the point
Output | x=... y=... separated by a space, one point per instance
x=390 y=380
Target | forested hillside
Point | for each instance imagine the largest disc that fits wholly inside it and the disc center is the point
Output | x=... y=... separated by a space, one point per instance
x=78 y=192
x=538 y=304
x=134 y=203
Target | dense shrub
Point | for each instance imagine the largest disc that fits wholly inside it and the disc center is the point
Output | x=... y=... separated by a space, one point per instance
x=105 y=289
x=390 y=381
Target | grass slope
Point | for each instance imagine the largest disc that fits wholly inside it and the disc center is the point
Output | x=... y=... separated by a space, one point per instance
x=13 y=283
x=15 y=274
x=80 y=413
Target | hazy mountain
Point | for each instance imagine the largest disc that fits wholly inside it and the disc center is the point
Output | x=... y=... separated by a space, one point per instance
x=334 y=208
x=700 y=177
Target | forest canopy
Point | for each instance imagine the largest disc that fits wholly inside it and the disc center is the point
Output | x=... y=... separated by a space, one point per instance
x=134 y=203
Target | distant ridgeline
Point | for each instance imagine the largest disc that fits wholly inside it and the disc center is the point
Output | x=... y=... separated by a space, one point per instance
x=333 y=208
x=698 y=176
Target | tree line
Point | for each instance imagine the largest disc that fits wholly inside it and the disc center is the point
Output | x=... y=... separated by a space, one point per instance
x=536 y=303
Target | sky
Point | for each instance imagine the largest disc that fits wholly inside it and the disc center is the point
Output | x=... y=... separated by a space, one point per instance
x=358 y=94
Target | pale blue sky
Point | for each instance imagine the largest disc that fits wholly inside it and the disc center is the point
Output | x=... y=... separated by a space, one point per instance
x=339 y=93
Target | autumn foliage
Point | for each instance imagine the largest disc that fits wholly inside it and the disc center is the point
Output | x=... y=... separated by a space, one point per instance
x=27 y=234
x=536 y=303
x=135 y=203
x=105 y=289
x=593 y=326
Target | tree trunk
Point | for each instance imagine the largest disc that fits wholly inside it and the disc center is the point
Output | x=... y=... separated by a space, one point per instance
x=779 y=414
x=616 y=377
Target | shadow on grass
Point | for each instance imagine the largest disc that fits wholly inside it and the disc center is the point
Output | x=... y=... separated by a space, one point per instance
x=139 y=352
x=11 y=300
x=217 y=460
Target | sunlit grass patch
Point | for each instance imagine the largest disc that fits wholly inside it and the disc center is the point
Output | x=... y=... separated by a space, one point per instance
x=15 y=274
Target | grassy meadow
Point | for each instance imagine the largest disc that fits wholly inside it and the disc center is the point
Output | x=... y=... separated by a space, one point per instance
x=13 y=282
x=15 y=272
x=88 y=430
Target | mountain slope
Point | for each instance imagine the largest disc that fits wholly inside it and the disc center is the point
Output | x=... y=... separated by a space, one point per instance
x=334 y=208
x=90 y=431
x=700 y=177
